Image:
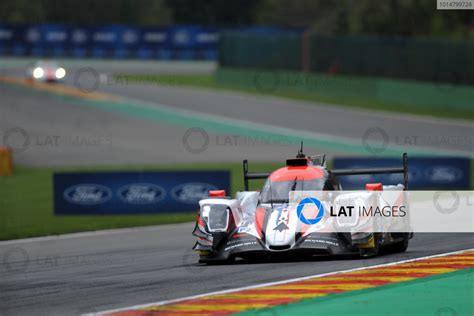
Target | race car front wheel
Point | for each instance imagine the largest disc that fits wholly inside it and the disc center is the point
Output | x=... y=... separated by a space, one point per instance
x=372 y=247
x=207 y=258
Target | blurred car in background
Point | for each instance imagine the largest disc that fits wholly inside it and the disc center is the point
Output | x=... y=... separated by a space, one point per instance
x=46 y=71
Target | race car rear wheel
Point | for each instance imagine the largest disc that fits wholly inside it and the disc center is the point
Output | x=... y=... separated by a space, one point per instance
x=400 y=246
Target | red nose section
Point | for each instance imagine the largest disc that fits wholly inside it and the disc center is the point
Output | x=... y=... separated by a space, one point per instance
x=302 y=173
x=214 y=193
x=374 y=186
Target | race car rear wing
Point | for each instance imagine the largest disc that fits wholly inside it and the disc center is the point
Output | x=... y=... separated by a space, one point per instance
x=403 y=169
x=252 y=176
x=341 y=172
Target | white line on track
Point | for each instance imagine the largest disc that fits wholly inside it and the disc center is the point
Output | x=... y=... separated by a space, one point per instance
x=340 y=108
x=273 y=283
x=343 y=140
x=104 y=232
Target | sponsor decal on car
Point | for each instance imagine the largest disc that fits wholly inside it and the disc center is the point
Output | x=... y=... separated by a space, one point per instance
x=241 y=244
x=334 y=243
x=243 y=229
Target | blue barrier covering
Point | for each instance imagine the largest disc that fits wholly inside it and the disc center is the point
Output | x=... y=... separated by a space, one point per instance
x=134 y=192
x=117 y=41
x=423 y=173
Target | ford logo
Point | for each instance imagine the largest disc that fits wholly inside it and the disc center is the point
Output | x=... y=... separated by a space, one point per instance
x=445 y=174
x=191 y=193
x=141 y=193
x=87 y=194
x=181 y=37
x=414 y=174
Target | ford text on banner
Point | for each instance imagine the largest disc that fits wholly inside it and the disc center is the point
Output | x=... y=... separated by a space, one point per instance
x=134 y=192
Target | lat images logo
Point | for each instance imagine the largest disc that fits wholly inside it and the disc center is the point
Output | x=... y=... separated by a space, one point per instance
x=310 y=201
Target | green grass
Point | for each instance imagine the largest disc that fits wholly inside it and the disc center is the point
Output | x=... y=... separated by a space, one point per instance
x=294 y=91
x=442 y=294
x=197 y=80
x=26 y=201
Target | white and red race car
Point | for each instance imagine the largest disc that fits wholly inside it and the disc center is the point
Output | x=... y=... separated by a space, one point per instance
x=264 y=224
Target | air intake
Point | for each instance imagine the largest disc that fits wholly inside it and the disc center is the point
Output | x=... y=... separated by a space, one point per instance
x=284 y=247
x=297 y=162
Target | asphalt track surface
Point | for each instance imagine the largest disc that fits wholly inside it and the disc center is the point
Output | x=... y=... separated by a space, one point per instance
x=70 y=276
x=123 y=140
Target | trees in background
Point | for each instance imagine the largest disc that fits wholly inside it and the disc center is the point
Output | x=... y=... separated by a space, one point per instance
x=86 y=11
x=387 y=17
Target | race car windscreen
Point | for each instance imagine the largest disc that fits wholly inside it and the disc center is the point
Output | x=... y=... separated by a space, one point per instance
x=278 y=191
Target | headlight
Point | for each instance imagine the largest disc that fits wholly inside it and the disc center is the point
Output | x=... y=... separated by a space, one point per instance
x=60 y=73
x=216 y=216
x=205 y=211
x=38 y=72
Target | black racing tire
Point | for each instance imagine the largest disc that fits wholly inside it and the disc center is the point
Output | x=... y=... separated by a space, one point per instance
x=400 y=246
x=371 y=252
x=210 y=261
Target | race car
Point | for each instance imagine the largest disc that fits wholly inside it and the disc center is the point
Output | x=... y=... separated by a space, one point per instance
x=46 y=71
x=264 y=224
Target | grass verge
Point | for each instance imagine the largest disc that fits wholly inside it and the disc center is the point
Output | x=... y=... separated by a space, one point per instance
x=442 y=294
x=26 y=201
